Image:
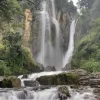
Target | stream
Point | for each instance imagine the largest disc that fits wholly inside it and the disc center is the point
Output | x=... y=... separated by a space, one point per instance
x=47 y=94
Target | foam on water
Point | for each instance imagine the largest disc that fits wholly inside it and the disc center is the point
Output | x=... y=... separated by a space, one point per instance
x=47 y=94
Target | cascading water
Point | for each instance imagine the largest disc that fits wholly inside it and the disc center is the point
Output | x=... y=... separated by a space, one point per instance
x=58 y=54
x=41 y=56
x=47 y=94
x=49 y=55
x=69 y=52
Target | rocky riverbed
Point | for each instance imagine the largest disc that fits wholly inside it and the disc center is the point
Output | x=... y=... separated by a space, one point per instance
x=67 y=83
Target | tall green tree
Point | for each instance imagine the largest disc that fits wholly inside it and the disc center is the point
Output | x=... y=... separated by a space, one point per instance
x=8 y=8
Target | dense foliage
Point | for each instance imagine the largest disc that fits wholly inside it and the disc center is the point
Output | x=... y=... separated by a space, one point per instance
x=87 y=53
x=8 y=8
x=16 y=59
x=65 y=6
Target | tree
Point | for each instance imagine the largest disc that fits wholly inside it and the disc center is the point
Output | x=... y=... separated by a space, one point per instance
x=8 y=8
x=19 y=58
x=12 y=41
x=95 y=11
x=85 y=3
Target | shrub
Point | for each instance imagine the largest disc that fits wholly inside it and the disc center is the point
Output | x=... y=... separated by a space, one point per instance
x=4 y=70
x=92 y=66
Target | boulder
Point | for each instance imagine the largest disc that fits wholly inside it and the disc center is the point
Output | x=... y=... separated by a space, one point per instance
x=63 y=92
x=96 y=91
x=41 y=67
x=10 y=82
x=92 y=79
x=94 y=82
x=67 y=67
x=31 y=83
x=80 y=72
x=60 y=79
x=84 y=80
x=50 y=68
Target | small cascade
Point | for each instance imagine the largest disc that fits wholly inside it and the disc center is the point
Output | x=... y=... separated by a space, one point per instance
x=84 y=94
x=47 y=94
x=69 y=52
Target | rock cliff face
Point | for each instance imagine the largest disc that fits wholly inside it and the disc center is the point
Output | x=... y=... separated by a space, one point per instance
x=64 y=20
x=28 y=19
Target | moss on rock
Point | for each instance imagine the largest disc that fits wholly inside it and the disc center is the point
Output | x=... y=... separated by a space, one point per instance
x=10 y=82
x=60 y=79
x=63 y=90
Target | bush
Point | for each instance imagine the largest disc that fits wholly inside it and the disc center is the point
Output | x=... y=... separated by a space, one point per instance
x=87 y=53
x=2 y=51
x=91 y=66
x=19 y=58
x=28 y=61
x=4 y=70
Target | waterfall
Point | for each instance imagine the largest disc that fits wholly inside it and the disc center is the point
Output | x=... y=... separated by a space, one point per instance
x=53 y=9
x=41 y=57
x=69 y=52
x=49 y=55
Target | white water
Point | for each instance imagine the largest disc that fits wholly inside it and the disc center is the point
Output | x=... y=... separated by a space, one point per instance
x=52 y=55
x=49 y=55
x=69 y=52
x=58 y=54
x=53 y=9
x=41 y=57
x=37 y=75
x=47 y=94
x=86 y=94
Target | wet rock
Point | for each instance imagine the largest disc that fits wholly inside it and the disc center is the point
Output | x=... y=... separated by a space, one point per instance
x=74 y=86
x=94 y=82
x=67 y=67
x=96 y=91
x=84 y=80
x=63 y=92
x=50 y=68
x=41 y=67
x=80 y=72
x=60 y=79
x=25 y=76
x=10 y=82
x=31 y=83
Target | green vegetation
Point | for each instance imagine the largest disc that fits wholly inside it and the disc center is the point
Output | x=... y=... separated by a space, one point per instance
x=64 y=90
x=65 y=6
x=16 y=59
x=8 y=8
x=87 y=53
